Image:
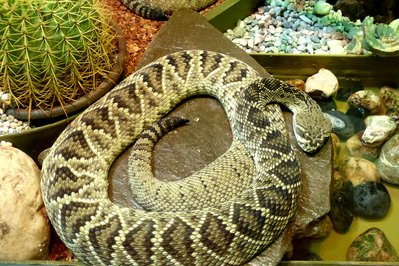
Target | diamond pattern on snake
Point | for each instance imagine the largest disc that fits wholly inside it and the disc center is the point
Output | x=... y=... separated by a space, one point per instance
x=162 y=9
x=229 y=230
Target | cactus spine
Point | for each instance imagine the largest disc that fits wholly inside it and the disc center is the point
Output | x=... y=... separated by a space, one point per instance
x=53 y=51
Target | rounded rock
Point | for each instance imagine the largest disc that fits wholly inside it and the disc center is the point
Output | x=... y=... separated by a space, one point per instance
x=322 y=8
x=371 y=200
x=341 y=202
x=356 y=148
x=25 y=230
x=366 y=99
x=357 y=116
x=379 y=128
x=359 y=171
x=323 y=84
x=372 y=245
x=388 y=161
x=341 y=124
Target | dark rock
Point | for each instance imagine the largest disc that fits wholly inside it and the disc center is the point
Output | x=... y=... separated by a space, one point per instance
x=341 y=124
x=371 y=200
x=357 y=116
x=343 y=93
x=341 y=206
x=383 y=11
x=304 y=255
x=327 y=104
x=372 y=245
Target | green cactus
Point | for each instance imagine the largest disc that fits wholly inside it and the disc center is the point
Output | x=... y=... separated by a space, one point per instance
x=53 y=51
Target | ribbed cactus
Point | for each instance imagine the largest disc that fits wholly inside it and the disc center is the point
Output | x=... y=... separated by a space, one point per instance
x=53 y=51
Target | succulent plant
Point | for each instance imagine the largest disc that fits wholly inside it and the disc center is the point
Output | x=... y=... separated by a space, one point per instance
x=53 y=51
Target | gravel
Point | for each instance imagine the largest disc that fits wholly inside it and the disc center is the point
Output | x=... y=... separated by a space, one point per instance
x=276 y=28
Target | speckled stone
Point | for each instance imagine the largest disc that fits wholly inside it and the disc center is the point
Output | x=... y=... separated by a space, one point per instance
x=388 y=161
x=372 y=245
x=366 y=99
x=379 y=128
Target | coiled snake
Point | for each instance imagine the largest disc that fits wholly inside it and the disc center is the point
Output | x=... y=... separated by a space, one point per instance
x=227 y=232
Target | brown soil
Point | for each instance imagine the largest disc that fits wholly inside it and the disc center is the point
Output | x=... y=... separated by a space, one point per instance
x=138 y=31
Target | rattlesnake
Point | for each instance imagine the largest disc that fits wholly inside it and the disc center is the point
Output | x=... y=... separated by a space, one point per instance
x=74 y=174
x=162 y=9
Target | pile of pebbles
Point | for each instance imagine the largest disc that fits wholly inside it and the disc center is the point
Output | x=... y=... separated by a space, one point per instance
x=277 y=28
x=9 y=124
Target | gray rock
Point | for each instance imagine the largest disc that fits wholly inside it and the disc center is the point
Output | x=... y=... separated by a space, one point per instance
x=378 y=130
x=388 y=161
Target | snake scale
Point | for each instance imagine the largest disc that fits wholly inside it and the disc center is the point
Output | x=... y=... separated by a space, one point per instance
x=229 y=232
x=162 y=9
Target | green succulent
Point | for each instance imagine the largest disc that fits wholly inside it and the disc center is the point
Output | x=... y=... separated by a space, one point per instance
x=53 y=51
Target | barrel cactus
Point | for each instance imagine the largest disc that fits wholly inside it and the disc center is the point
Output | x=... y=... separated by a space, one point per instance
x=53 y=51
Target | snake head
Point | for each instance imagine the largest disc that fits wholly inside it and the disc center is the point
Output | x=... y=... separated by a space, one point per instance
x=311 y=131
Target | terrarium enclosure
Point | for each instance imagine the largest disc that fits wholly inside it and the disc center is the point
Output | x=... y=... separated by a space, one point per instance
x=353 y=72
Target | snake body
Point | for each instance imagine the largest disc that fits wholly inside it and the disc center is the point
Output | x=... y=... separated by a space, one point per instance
x=162 y=9
x=229 y=232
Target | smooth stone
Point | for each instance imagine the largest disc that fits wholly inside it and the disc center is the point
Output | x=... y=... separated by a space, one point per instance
x=341 y=124
x=327 y=104
x=372 y=245
x=337 y=50
x=322 y=8
x=356 y=148
x=366 y=99
x=388 y=161
x=371 y=200
x=359 y=170
x=319 y=229
x=341 y=206
x=24 y=227
x=357 y=115
x=297 y=83
x=379 y=128
x=323 y=84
